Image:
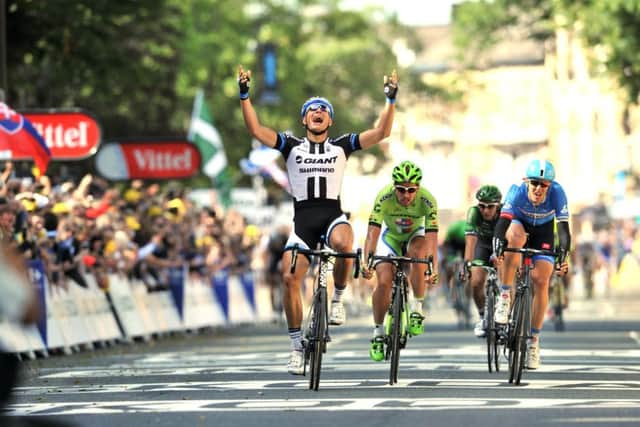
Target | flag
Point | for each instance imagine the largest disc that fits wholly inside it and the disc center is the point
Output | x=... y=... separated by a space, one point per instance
x=262 y=159
x=205 y=136
x=18 y=138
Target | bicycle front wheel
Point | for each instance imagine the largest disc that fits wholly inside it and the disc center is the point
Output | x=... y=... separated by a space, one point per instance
x=518 y=343
x=492 y=334
x=557 y=303
x=396 y=332
x=516 y=330
x=318 y=337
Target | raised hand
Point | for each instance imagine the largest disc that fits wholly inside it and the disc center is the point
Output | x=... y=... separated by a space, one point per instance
x=391 y=85
x=244 y=77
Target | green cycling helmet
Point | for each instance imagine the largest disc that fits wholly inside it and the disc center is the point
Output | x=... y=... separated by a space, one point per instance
x=489 y=194
x=407 y=172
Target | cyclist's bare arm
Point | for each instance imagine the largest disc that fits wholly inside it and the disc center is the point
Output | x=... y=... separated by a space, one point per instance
x=383 y=126
x=470 y=241
x=431 y=238
x=265 y=135
x=373 y=233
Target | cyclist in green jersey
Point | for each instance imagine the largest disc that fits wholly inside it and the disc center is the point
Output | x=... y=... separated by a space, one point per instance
x=453 y=247
x=459 y=295
x=481 y=221
x=404 y=221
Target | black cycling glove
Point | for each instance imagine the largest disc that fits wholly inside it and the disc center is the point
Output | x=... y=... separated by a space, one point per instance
x=244 y=87
x=498 y=246
x=391 y=90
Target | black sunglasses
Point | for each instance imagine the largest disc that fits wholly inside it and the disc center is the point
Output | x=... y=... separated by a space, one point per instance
x=315 y=107
x=535 y=183
x=403 y=189
x=487 y=206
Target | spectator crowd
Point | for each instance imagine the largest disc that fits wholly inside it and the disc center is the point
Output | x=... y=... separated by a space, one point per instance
x=90 y=229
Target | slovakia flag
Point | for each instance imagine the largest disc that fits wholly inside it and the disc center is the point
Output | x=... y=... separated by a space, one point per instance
x=19 y=139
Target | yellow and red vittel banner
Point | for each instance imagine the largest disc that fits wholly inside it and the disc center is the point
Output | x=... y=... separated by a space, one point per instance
x=148 y=160
x=70 y=135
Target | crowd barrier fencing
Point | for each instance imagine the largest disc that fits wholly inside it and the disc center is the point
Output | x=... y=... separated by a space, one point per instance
x=74 y=318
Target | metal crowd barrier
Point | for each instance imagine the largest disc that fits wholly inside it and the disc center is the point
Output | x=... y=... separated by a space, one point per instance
x=76 y=318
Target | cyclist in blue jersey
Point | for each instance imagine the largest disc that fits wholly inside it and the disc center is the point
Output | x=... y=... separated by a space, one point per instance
x=527 y=219
x=315 y=167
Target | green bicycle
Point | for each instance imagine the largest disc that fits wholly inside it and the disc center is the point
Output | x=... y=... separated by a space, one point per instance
x=397 y=318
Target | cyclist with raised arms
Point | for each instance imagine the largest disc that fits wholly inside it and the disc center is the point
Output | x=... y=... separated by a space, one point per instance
x=527 y=218
x=404 y=221
x=315 y=167
x=481 y=222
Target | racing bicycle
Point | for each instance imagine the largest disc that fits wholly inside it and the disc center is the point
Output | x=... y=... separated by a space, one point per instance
x=495 y=332
x=317 y=328
x=397 y=318
x=520 y=322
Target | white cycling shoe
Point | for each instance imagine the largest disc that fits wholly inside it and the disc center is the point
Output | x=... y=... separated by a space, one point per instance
x=338 y=314
x=295 y=366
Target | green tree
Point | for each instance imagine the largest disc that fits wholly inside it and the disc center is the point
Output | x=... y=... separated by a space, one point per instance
x=137 y=64
x=610 y=27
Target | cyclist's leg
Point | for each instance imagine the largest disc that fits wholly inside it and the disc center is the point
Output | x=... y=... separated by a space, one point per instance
x=417 y=247
x=340 y=239
x=516 y=238
x=477 y=283
x=481 y=256
x=540 y=237
x=292 y=292
x=381 y=297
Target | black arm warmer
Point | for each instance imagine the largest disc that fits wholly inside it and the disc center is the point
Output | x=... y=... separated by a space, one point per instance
x=564 y=236
x=501 y=228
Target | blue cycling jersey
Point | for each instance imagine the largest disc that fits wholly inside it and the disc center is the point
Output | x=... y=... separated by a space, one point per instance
x=518 y=206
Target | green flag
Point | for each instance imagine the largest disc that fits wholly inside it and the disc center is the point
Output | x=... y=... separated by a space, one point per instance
x=206 y=137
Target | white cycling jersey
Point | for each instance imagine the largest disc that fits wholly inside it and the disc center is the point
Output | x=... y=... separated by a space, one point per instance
x=316 y=170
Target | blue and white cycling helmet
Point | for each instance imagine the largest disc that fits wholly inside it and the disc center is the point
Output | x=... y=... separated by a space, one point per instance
x=314 y=103
x=540 y=169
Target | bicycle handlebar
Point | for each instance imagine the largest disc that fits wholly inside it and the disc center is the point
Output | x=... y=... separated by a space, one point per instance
x=326 y=254
x=402 y=260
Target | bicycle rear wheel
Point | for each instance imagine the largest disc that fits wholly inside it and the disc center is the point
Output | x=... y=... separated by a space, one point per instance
x=396 y=324
x=318 y=336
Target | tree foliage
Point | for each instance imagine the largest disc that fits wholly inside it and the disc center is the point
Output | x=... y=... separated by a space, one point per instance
x=610 y=27
x=137 y=64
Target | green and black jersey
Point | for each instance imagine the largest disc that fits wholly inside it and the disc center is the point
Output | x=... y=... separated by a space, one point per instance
x=478 y=226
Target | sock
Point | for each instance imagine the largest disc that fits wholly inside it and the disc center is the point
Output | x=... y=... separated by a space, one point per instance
x=535 y=334
x=337 y=292
x=505 y=289
x=417 y=304
x=296 y=339
x=378 y=331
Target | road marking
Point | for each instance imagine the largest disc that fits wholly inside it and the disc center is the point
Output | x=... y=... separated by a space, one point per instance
x=592 y=420
x=422 y=383
x=471 y=350
x=634 y=336
x=99 y=372
x=301 y=405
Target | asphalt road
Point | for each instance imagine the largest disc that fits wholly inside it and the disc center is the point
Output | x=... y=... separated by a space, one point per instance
x=590 y=377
